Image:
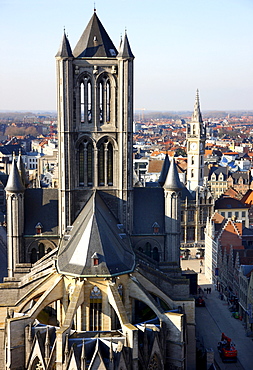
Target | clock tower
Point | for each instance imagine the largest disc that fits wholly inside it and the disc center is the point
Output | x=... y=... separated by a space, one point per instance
x=195 y=136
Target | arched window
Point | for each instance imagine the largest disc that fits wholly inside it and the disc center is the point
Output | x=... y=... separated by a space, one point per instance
x=86 y=163
x=95 y=309
x=192 y=159
x=155 y=254
x=104 y=100
x=192 y=173
x=148 y=249
x=86 y=100
x=105 y=164
x=41 y=250
x=193 y=130
x=33 y=256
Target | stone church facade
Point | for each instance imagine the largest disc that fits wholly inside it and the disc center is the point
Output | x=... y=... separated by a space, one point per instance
x=94 y=278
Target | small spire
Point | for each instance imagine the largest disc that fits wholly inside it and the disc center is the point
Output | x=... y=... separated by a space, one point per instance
x=196 y=117
x=172 y=181
x=125 y=49
x=95 y=7
x=14 y=183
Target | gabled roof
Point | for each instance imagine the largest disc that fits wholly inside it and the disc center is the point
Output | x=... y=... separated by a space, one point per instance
x=217 y=171
x=95 y=42
x=95 y=234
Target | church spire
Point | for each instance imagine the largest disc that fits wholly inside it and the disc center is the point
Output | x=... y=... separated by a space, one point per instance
x=197 y=117
x=64 y=49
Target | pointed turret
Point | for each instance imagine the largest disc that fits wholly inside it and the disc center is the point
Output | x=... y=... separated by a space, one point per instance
x=95 y=41
x=196 y=116
x=165 y=169
x=14 y=183
x=64 y=49
x=172 y=181
x=125 y=49
x=172 y=204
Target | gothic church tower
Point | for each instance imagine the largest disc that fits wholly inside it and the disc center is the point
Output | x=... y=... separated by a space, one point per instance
x=196 y=136
x=95 y=114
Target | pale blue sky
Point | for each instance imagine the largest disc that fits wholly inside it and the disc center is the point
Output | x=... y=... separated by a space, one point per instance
x=179 y=46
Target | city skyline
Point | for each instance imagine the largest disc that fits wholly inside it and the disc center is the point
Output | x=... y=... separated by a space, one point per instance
x=178 y=48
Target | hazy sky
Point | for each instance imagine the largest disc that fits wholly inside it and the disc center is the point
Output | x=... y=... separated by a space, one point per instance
x=179 y=46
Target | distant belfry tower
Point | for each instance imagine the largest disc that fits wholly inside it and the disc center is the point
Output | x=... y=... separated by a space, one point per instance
x=196 y=137
x=95 y=113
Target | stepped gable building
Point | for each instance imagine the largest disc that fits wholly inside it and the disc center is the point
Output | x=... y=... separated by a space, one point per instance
x=94 y=279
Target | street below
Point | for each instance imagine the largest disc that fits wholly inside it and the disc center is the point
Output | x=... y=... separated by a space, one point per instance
x=215 y=319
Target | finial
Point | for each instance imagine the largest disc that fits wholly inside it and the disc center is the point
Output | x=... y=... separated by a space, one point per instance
x=125 y=30
x=95 y=7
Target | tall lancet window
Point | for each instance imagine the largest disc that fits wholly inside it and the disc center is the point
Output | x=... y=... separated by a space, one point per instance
x=85 y=163
x=95 y=309
x=86 y=100
x=105 y=163
x=104 y=100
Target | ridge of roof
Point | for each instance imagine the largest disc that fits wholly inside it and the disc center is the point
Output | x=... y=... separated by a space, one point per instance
x=95 y=42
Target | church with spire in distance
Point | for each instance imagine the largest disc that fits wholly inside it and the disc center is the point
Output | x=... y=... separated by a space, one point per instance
x=94 y=278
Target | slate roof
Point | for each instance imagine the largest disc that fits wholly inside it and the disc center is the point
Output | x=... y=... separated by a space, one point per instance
x=9 y=149
x=125 y=50
x=95 y=233
x=64 y=49
x=95 y=42
x=148 y=209
x=172 y=181
x=41 y=205
x=228 y=203
x=14 y=183
x=217 y=171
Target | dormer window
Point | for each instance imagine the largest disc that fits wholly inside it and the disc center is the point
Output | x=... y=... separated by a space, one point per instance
x=38 y=228
x=156 y=228
x=95 y=259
